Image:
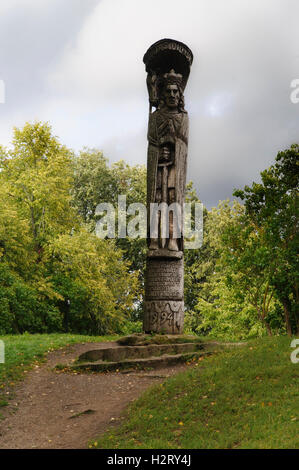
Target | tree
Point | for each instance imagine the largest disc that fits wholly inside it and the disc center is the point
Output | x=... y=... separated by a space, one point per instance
x=93 y=182
x=245 y=262
x=38 y=173
x=96 y=182
x=272 y=208
x=97 y=290
x=49 y=259
x=231 y=292
x=199 y=264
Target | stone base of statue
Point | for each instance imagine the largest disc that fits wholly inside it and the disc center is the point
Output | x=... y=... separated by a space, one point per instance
x=164 y=292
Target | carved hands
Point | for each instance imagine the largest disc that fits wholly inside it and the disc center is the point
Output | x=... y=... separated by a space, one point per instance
x=166 y=128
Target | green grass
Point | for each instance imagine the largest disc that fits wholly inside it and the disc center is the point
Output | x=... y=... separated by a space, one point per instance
x=242 y=398
x=24 y=351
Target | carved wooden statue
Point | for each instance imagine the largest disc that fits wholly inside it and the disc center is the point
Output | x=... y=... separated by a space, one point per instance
x=168 y=65
x=167 y=155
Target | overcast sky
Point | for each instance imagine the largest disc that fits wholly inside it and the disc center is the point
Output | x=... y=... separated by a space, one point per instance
x=78 y=65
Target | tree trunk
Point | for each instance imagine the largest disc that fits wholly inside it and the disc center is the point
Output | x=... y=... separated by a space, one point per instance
x=287 y=317
x=269 y=331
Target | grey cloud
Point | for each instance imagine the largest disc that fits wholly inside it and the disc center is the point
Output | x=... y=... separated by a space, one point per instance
x=33 y=38
x=79 y=65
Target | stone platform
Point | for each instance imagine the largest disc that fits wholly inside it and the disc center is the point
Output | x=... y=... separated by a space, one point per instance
x=142 y=352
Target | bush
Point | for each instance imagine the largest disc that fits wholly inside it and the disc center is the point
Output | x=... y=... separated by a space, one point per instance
x=130 y=327
x=22 y=309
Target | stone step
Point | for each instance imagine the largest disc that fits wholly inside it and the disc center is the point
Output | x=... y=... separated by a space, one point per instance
x=121 y=353
x=140 y=363
x=143 y=339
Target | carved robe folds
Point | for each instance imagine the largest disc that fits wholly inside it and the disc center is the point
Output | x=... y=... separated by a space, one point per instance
x=167 y=129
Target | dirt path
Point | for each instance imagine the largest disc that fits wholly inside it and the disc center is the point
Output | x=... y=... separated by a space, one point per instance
x=47 y=400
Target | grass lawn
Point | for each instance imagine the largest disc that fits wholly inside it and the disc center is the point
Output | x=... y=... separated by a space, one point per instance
x=23 y=351
x=243 y=398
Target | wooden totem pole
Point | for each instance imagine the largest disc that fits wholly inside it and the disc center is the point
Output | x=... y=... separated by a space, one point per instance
x=168 y=65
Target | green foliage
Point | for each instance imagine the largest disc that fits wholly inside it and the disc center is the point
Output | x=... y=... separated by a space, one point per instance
x=199 y=263
x=38 y=173
x=130 y=327
x=272 y=211
x=21 y=308
x=231 y=291
x=93 y=182
x=97 y=182
x=96 y=281
x=244 y=279
x=56 y=274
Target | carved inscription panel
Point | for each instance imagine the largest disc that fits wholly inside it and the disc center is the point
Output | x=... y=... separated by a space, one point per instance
x=164 y=316
x=164 y=279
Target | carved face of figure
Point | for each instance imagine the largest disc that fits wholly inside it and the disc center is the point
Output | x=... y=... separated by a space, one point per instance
x=171 y=96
